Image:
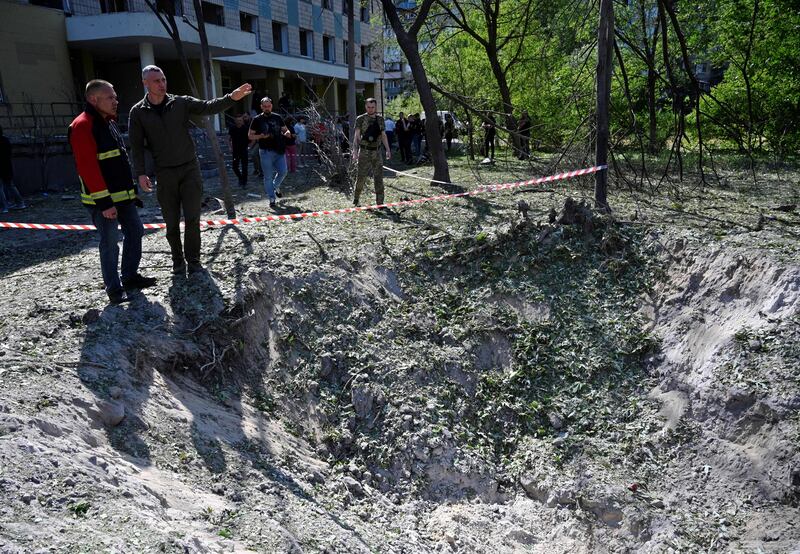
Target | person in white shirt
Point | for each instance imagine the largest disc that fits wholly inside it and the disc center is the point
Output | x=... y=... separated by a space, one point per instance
x=302 y=140
x=390 y=130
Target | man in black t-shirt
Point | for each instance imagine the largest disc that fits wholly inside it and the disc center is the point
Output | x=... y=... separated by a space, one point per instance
x=271 y=133
x=238 y=137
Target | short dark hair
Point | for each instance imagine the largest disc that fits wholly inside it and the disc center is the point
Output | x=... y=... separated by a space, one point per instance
x=93 y=86
x=150 y=69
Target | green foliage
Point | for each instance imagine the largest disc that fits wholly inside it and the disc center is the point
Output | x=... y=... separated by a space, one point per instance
x=765 y=64
x=79 y=509
x=405 y=103
x=579 y=362
x=550 y=71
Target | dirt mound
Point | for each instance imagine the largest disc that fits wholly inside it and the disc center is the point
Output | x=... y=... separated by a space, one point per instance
x=461 y=380
x=729 y=371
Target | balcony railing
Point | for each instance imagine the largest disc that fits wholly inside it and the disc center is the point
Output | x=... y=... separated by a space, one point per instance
x=34 y=121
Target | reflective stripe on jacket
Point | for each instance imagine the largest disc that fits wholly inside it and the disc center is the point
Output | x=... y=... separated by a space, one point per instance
x=101 y=159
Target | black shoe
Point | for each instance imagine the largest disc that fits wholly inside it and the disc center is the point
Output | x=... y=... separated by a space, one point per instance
x=138 y=281
x=117 y=296
x=273 y=204
x=278 y=194
x=196 y=267
x=179 y=268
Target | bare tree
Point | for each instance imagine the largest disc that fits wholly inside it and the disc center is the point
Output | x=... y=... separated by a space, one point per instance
x=695 y=86
x=605 y=50
x=643 y=42
x=408 y=40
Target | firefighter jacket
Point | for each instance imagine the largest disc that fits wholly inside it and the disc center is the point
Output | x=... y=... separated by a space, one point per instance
x=102 y=161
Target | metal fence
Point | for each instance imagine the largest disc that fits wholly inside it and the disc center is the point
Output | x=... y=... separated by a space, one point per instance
x=38 y=120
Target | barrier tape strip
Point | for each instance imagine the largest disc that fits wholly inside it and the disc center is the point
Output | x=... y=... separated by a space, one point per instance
x=417 y=176
x=303 y=215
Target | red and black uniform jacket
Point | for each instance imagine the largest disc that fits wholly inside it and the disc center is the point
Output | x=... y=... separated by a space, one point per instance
x=102 y=161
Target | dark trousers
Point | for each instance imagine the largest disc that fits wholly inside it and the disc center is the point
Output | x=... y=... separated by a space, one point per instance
x=181 y=189
x=488 y=146
x=132 y=231
x=416 y=140
x=405 y=148
x=240 y=163
x=525 y=146
x=9 y=195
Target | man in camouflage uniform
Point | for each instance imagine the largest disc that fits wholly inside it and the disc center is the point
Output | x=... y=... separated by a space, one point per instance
x=369 y=134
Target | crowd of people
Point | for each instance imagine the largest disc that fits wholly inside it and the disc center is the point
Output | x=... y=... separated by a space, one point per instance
x=405 y=134
x=409 y=134
x=276 y=141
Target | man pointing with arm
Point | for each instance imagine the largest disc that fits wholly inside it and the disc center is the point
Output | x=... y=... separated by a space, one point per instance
x=162 y=120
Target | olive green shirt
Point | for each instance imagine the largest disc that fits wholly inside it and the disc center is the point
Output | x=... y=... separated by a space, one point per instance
x=166 y=134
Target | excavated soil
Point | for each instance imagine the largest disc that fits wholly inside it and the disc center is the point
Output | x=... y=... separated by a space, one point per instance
x=458 y=376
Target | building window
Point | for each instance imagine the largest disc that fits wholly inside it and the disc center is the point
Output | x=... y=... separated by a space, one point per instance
x=213 y=14
x=364 y=56
x=345 y=3
x=306 y=43
x=247 y=22
x=112 y=6
x=328 y=53
x=279 y=37
x=327 y=4
x=346 y=51
x=57 y=4
x=365 y=13
x=171 y=7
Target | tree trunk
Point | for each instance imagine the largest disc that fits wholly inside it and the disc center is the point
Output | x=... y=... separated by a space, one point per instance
x=441 y=171
x=505 y=96
x=695 y=92
x=651 y=109
x=351 y=69
x=605 y=42
x=205 y=68
x=407 y=40
x=650 y=45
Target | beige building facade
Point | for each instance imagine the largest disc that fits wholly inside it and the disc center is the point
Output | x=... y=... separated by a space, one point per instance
x=52 y=47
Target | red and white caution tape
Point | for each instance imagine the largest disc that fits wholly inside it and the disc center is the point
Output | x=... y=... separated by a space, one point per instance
x=303 y=215
x=417 y=176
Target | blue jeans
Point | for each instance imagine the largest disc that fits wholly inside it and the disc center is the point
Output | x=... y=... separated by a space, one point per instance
x=417 y=144
x=274 y=167
x=132 y=230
